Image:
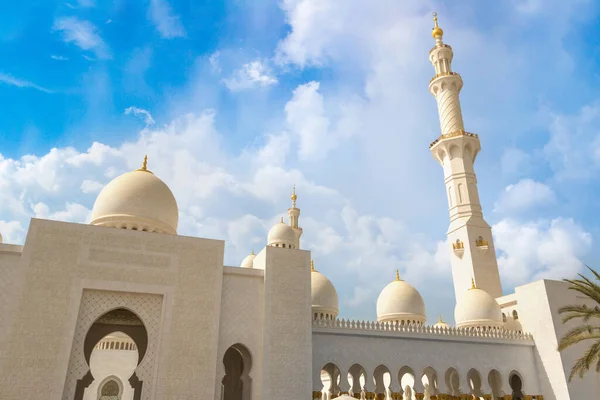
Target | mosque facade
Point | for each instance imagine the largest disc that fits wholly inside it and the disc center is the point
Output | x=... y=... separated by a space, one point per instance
x=126 y=309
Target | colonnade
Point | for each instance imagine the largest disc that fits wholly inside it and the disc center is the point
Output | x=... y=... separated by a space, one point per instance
x=405 y=384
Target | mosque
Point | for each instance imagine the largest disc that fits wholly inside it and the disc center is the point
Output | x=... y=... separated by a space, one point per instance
x=126 y=309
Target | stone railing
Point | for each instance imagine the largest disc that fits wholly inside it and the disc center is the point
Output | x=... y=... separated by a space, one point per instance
x=421 y=329
x=421 y=396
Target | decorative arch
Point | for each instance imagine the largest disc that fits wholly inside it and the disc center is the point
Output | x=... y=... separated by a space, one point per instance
x=452 y=379
x=95 y=304
x=102 y=388
x=358 y=377
x=380 y=374
x=119 y=319
x=237 y=383
x=474 y=382
x=495 y=382
x=430 y=378
x=516 y=384
x=406 y=377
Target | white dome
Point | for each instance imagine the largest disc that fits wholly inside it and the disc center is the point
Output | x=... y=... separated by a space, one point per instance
x=399 y=301
x=281 y=235
x=248 y=262
x=324 y=298
x=441 y=324
x=0 y=238
x=477 y=308
x=137 y=200
x=512 y=324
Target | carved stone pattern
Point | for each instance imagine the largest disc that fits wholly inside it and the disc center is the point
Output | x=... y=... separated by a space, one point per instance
x=95 y=303
x=449 y=111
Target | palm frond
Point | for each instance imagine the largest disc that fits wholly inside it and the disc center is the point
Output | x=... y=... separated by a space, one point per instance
x=579 y=334
x=582 y=365
x=579 y=311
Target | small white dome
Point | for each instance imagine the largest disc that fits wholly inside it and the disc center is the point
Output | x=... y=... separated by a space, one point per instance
x=477 y=308
x=441 y=324
x=324 y=298
x=512 y=324
x=401 y=302
x=137 y=200
x=248 y=262
x=281 y=235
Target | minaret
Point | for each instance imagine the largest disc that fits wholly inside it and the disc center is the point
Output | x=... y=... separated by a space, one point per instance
x=473 y=253
x=294 y=214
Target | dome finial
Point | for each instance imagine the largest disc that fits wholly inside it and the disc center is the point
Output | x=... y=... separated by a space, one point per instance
x=437 y=31
x=312 y=265
x=440 y=320
x=398 y=275
x=281 y=220
x=293 y=196
x=473 y=283
x=144 y=167
x=252 y=253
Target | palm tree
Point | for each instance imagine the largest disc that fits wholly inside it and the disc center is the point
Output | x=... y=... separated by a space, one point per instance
x=589 y=329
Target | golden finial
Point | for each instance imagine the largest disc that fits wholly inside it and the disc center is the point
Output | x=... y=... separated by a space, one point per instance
x=144 y=167
x=281 y=220
x=293 y=196
x=312 y=265
x=398 y=275
x=252 y=254
x=440 y=320
x=473 y=284
x=437 y=31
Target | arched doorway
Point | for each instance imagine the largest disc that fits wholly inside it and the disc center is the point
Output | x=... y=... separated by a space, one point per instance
x=110 y=390
x=237 y=384
x=516 y=385
x=113 y=331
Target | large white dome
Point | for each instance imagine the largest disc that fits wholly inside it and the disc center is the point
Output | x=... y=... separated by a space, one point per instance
x=324 y=298
x=282 y=235
x=137 y=200
x=400 y=302
x=477 y=308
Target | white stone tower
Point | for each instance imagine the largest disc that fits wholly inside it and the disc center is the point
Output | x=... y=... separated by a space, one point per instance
x=294 y=215
x=473 y=254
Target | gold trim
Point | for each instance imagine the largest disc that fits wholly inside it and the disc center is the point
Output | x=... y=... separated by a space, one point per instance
x=453 y=134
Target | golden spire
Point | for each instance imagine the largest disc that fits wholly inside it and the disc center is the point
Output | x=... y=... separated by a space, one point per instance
x=398 y=275
x=473 y=284
x=440 y=320
x=144 y=167
x=312 y=265
x=281 y=220
x=294 y=197
x=437 y=31
x=252 y=252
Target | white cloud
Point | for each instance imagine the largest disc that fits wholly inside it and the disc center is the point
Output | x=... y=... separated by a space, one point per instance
x=140 y=112
x=524 y=196
x=214 y=61
x=540 y=250
x=88 y=186
x=573 y=151
x=10 y=80
x=250 y=75
x=83 y=34
x=167 y=24
x=59 y=58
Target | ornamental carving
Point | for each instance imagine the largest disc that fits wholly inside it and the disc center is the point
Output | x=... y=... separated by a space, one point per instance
x=481 y=242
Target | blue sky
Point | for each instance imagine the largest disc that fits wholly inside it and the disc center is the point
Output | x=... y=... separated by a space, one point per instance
x=236 y=101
